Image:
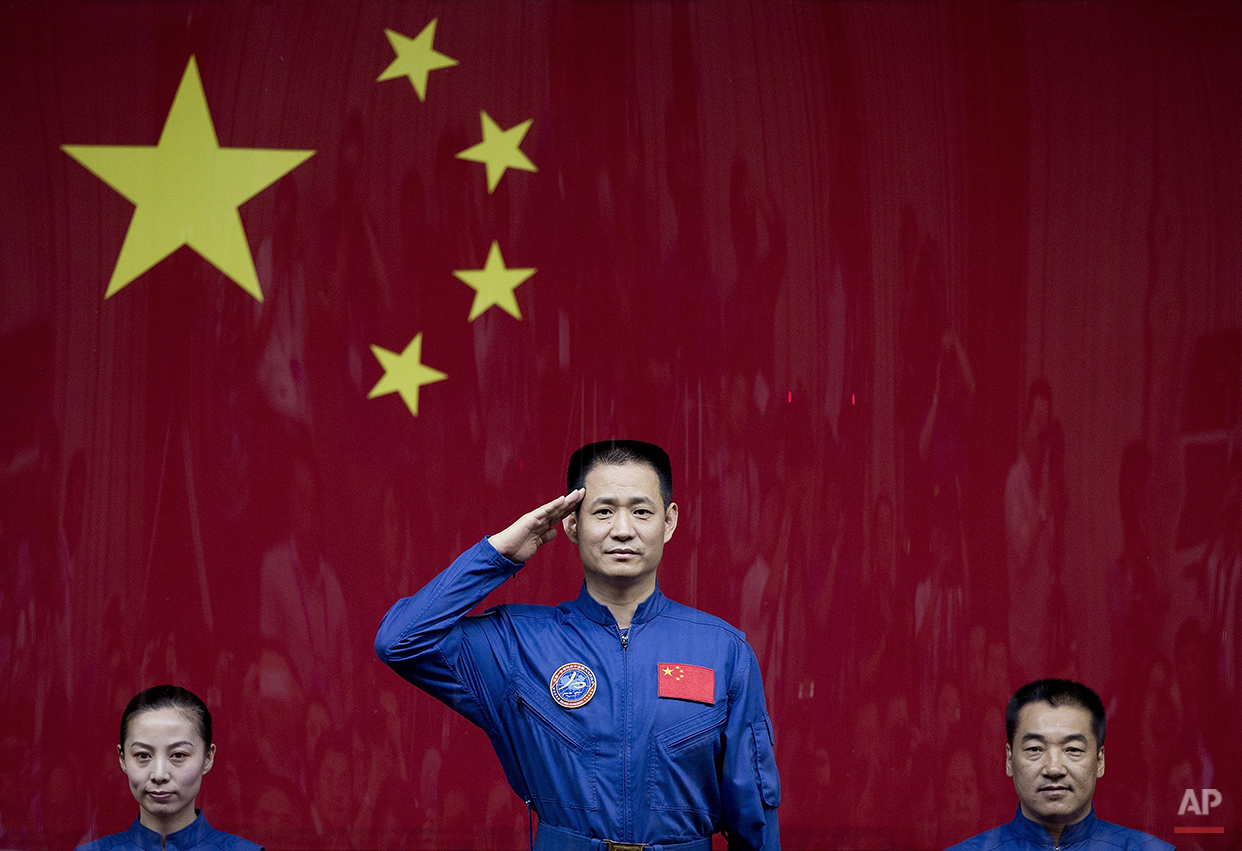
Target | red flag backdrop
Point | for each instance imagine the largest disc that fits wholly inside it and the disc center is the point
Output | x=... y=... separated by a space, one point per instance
x=820 y=251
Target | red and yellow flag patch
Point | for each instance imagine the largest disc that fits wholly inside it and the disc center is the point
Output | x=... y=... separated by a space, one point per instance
x=687 y=682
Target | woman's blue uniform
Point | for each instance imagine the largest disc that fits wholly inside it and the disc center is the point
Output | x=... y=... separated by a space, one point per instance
x=198 y=835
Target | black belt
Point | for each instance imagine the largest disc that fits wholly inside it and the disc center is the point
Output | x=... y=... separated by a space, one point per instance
x=551 y=838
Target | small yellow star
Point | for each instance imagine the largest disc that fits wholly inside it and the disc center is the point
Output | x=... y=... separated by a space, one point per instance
x=404 y=373
x=186 y=190
x=494 y=284
x=416 y=58
x=499 y=150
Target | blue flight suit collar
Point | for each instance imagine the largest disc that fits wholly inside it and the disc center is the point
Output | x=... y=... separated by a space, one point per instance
x=1037 y=834
x=188 y=837
x=591 y=609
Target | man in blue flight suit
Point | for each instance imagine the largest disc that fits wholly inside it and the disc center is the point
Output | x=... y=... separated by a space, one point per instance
x=1055 y=753
x=625 y=720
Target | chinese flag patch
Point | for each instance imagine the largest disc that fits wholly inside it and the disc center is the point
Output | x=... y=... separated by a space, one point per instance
x=687 y=682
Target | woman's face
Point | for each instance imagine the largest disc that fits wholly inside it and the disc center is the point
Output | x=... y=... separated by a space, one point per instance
x=165 y=759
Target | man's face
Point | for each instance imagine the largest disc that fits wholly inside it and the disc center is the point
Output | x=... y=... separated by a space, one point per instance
x=1054 y=762
x=621 y=526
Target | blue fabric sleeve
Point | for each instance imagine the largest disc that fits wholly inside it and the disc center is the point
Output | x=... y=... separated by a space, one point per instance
x=428 y=640
x=750 y=792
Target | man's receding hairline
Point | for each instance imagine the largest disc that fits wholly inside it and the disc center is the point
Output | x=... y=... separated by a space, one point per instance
x=658 y=499
x=620 y=453
x=599 y=461
x=629 y=462
x=1063 y=703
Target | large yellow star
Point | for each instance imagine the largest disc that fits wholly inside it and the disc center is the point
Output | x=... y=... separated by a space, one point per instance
x=404 y=373
x=186 y=190
x=499 y=150
x=416 y=58
x=494 y=284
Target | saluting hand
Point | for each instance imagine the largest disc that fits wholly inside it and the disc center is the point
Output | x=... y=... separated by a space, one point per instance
x=534 y=529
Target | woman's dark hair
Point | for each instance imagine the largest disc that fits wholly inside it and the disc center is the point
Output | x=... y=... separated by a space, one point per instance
x=163 y=697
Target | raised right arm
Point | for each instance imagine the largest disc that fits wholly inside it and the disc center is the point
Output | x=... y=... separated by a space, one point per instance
x=423 y=637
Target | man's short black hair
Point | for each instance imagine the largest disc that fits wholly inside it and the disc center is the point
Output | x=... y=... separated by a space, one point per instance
x=1056 y=693
x=621 y=452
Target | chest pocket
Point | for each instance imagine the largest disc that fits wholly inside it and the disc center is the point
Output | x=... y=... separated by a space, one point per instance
x=685 y=764
x=557 y=758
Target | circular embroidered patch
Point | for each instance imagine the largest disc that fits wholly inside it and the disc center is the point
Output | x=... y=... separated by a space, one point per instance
x=573 y=685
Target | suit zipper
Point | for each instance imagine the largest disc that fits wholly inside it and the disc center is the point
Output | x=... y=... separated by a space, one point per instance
x=627 y=824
